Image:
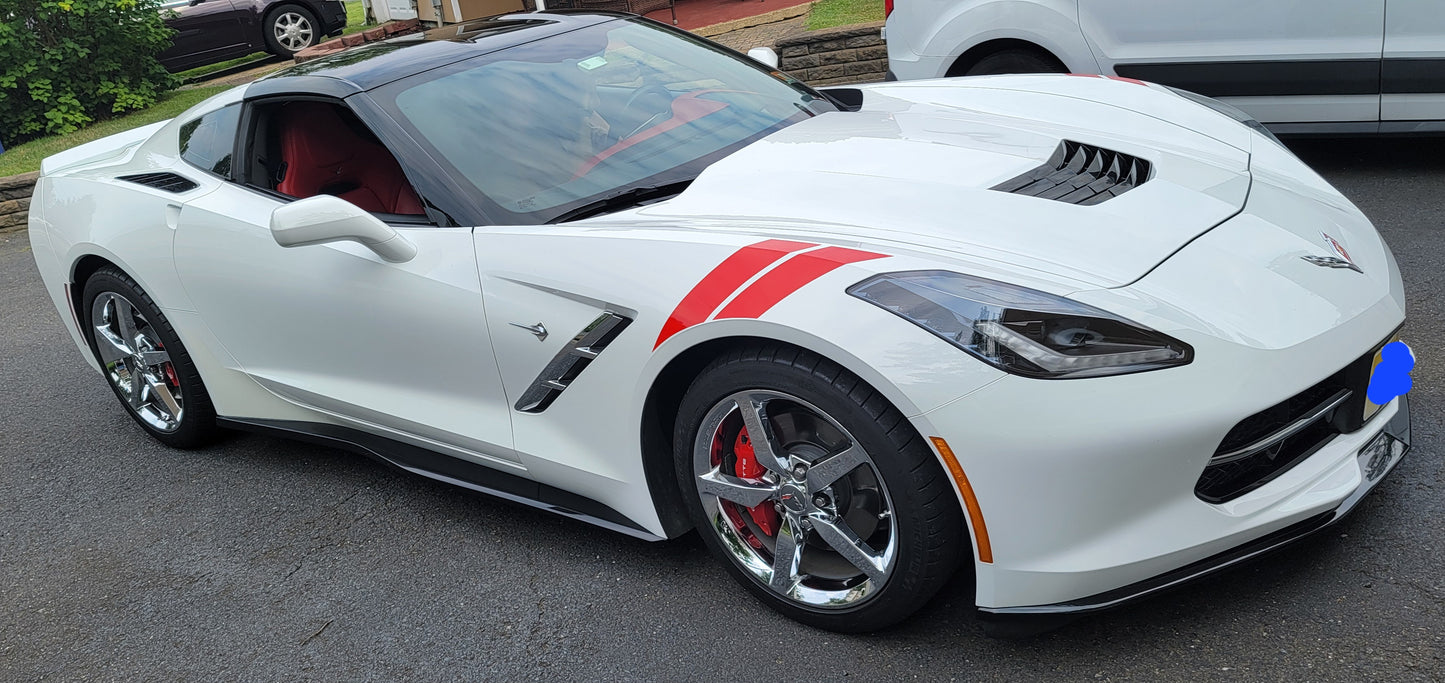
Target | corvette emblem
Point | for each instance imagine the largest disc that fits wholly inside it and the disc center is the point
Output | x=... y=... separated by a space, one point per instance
x=1341 y=261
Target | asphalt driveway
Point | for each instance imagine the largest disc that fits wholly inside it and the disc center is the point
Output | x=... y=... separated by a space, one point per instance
x=261 y=559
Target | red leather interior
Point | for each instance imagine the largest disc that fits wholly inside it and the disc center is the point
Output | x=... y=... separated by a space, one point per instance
x=324 y=154
x=685 y=109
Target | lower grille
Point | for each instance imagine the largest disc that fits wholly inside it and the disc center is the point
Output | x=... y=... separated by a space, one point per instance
x=1268 y=443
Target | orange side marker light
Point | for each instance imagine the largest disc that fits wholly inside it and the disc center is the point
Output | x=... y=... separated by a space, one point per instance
x=975 y=513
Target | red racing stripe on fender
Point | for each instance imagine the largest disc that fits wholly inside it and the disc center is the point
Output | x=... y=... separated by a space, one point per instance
x=725 y=279
x=1135 y=81
x=782 y=281
x=1124 y=79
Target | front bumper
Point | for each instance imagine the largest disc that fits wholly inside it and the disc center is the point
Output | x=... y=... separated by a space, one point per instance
x=1383 y=450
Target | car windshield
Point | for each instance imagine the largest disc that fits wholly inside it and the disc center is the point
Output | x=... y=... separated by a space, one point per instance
x=545 y=129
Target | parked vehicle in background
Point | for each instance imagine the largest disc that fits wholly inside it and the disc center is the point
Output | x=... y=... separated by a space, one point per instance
x=1300 y=66
x=210 y=31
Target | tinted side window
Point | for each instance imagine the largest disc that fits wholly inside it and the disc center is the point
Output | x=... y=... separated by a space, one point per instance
x=207 y=142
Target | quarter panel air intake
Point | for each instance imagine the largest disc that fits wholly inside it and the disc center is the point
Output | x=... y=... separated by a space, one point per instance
x=166 y=181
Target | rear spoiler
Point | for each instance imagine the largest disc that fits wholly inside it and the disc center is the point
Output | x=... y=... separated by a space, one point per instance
x=104 y=149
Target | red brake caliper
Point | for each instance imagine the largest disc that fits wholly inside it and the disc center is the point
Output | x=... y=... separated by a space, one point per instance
x=171 y=378
x=749 y=469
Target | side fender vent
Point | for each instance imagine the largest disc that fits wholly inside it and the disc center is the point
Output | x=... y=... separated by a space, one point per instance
x=1081 y=174
x=168 y=182
x=570 y=361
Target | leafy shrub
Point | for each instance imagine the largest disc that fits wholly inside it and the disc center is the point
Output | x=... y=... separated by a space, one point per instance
x=65 y=63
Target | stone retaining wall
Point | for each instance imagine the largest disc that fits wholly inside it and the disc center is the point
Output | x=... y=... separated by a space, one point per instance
x=851 y=54
x=388 y=30
x=15 y=200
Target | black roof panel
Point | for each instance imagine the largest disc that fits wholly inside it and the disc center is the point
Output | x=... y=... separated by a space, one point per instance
x=375 y=64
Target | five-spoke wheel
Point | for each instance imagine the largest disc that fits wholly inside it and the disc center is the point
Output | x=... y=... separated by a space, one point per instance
x=136 y=363
x=814 y=491
x=144 y=361
x=796 y=499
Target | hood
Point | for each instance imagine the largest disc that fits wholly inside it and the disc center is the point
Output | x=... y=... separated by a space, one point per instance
x=912 y=170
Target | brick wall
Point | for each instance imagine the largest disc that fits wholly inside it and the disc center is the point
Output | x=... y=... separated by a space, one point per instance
x=15 y=200
x=851 y=54
x=388 y=30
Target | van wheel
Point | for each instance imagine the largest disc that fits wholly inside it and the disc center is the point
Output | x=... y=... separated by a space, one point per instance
x=1015 y=62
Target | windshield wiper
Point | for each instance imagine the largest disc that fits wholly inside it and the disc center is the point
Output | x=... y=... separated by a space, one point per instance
x=623 y=200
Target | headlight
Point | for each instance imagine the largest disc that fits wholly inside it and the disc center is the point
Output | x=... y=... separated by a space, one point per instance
x=1229 y=110
x=1020 y=330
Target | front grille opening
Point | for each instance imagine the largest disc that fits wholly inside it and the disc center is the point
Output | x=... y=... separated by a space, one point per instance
x=1265 y=422
x=1230 y=480
x=1224 y=480
x=1079 y=173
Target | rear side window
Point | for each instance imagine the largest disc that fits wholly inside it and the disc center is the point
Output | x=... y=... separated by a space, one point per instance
x=207 y=142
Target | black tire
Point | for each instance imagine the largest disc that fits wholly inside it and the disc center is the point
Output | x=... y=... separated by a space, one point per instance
x=196 y=425
x=1015 y=61
x=289 y=14
x=930 y=538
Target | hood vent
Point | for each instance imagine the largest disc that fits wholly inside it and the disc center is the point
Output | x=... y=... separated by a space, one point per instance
x=1080 y=174
x=168 y=182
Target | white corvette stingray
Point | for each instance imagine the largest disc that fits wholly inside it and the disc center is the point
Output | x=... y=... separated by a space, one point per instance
x=1084 y=338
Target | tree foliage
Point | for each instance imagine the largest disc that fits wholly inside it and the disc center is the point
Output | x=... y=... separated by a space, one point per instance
x=65 y=63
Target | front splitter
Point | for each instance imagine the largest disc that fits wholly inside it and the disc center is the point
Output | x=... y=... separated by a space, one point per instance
x=1377 y=458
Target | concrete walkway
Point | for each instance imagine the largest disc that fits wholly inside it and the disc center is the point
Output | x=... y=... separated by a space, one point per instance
x=245 y=76
x=763 y=30
x=693 y=15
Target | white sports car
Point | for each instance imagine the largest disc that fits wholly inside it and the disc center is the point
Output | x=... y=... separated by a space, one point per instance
x=1088 y=338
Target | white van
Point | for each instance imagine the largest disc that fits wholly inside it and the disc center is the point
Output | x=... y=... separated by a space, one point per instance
x=1301 y=66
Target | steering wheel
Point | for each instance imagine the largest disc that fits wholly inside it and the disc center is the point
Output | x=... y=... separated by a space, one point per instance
x=637 y=96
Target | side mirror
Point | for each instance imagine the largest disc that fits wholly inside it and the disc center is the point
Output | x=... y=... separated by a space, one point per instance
x=765 y=55
x=323 y=218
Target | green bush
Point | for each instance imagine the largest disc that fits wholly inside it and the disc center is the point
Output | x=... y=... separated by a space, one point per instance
x=65 y=63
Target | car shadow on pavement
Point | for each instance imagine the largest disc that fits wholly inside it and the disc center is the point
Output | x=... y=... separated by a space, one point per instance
x=281 y=458
x=1312 y=565
x=1237 y=599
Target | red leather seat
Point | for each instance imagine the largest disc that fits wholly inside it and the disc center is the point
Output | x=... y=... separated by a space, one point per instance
x=324 y=154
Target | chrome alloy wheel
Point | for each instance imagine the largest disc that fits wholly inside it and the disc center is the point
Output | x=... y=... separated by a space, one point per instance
x=136 y=363
x=292 y=30
x=795 y=499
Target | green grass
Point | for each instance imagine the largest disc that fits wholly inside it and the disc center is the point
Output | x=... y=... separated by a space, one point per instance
x=26 y=158
x=355 y=18
x=830 y=13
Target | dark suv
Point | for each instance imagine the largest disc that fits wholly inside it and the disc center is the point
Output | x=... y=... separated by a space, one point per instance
x=210 y=31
